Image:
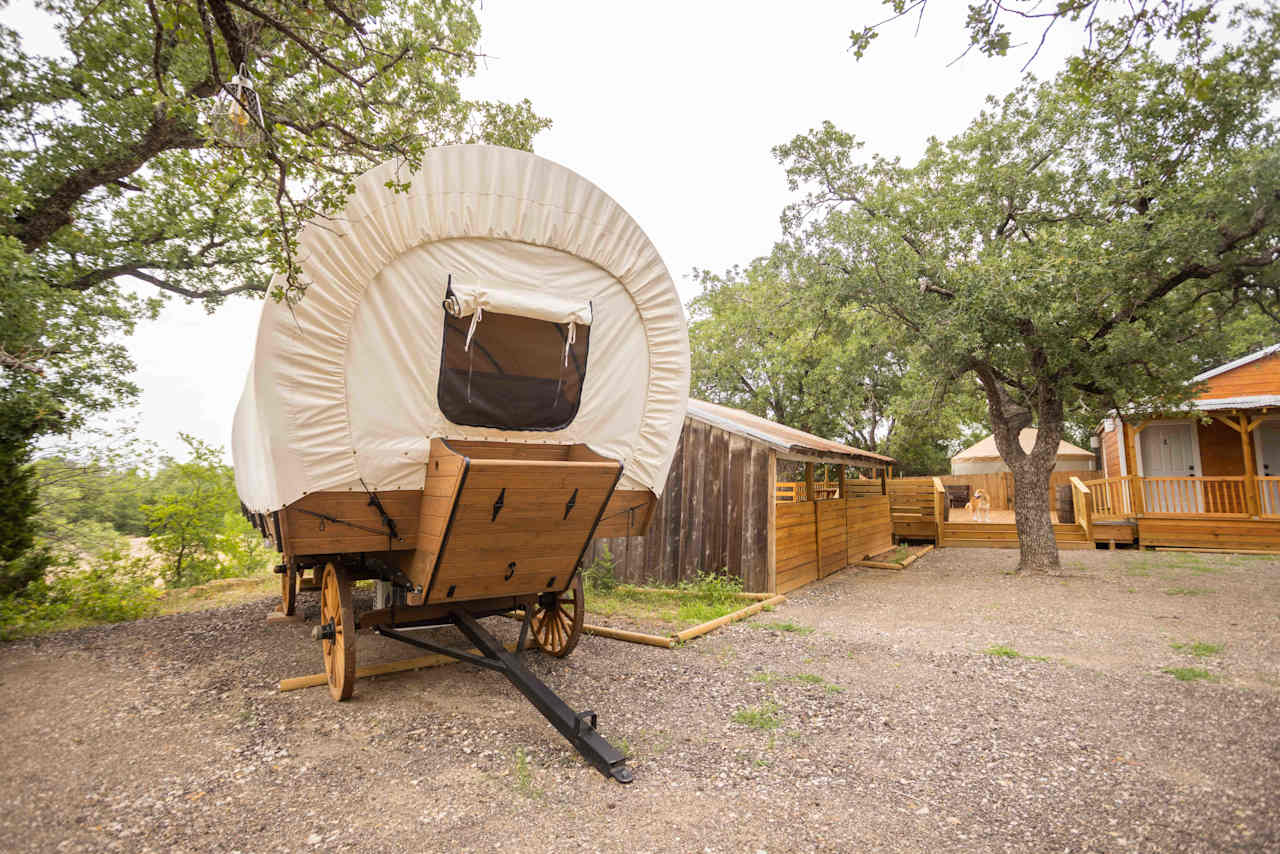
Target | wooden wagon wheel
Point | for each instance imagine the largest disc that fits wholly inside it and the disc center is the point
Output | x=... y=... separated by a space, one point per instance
x=338 y=631
x=557 y=619
x=288 y=589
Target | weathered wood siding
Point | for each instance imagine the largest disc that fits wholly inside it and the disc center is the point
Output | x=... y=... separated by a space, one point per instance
x=713 y=515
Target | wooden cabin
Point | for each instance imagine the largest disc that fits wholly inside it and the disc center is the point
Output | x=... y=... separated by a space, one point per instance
x=1205 y=476
x=739 y=499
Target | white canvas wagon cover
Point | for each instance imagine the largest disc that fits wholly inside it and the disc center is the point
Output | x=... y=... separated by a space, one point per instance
x=342 y=391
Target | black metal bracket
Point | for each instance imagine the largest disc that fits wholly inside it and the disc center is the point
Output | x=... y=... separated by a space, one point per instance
x=579 y=728
x=573 y=499
x=497 y=505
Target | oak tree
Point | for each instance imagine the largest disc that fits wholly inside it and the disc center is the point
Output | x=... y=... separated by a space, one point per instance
x=1082 y=245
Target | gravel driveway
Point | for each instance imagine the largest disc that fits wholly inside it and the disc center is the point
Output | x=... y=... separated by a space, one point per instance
x=895 y=730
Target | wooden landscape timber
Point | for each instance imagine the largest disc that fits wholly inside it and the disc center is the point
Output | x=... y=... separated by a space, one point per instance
x=293 y=683
x=880 y=564
x=763 y=601
x=741 y=614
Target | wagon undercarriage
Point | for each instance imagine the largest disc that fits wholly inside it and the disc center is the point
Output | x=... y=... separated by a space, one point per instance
x=497 y=529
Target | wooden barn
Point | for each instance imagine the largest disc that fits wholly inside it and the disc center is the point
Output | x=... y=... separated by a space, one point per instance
x=720 y=510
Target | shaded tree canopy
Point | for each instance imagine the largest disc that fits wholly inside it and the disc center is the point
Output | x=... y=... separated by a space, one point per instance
x=765 y=341
x=116 y=191
x=1083 y=244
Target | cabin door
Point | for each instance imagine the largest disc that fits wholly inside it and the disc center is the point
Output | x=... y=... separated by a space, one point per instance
x=1268 y=440
x=1169 y=455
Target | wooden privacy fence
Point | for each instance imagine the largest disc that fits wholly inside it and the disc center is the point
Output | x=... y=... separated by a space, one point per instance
x=817 y=538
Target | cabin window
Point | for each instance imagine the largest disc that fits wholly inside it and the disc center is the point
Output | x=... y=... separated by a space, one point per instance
x=511 y=372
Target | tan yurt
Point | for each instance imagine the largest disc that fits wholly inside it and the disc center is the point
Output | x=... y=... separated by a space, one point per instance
x=984 y=458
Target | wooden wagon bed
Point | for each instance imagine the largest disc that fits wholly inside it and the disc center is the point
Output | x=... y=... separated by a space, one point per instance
x=497 y=527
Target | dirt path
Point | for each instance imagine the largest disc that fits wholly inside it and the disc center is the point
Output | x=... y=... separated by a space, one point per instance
x=896 y=731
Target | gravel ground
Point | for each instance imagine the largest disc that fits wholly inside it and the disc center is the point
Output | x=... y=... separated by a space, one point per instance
x=896 y=732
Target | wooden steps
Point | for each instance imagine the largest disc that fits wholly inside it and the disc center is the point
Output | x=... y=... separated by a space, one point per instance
x=1004 y=535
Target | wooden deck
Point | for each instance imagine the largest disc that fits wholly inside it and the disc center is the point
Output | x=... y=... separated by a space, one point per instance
x=1242 y=534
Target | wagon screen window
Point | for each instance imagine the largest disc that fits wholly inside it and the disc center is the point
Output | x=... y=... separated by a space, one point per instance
x=511 y=372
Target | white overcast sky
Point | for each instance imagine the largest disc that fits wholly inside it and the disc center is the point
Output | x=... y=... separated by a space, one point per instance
x=671 y=108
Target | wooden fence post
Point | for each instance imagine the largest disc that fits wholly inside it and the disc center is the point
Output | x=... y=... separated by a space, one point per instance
x=939 y=509
x=1080 y=500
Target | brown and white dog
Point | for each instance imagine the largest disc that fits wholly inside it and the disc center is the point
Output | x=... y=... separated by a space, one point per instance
x=979 y=506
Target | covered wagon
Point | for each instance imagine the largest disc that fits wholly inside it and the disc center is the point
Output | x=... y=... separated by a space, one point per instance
x=489 y=367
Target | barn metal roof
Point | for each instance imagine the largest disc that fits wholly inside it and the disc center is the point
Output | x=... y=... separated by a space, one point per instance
x=789 y=442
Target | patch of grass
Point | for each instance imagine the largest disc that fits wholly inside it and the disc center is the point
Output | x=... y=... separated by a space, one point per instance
x=1199 y=649
x=766 y=677
x=898 y=555
x=220 y=593
x=762 y=717
x=786 y=626
x=1002 y=650
x=1189 y=674
x=1186 y=591
x=709 y=597
x=523 y=775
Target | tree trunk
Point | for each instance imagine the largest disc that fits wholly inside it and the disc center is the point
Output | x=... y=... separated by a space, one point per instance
x=1039 y=547
x=1036 y=542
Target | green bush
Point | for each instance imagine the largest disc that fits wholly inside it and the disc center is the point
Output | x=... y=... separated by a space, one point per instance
x=601 y=575
x=717 y=587
x=114 y=589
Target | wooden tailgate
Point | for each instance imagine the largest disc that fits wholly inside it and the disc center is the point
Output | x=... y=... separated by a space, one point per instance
x=516 y=526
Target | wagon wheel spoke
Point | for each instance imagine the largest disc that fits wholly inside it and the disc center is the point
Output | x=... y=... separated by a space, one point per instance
x=337 y=611
x=557 y=624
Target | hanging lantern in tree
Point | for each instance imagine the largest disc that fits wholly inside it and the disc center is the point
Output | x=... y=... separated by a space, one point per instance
x=237 y=111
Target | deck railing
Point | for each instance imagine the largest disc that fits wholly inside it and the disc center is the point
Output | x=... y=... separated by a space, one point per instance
x=1269 y=496
x=1112 y=498
x=1199 y=496
x=794 y=490
x=1224 y=497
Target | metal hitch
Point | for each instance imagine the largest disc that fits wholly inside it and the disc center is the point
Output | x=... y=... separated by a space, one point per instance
x=578 y=728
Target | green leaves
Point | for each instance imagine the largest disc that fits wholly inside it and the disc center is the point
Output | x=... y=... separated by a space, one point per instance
x=1089 y=245
x=768 y=339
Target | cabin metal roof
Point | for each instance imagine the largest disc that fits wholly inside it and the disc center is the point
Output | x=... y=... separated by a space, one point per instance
x=1241 y=362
